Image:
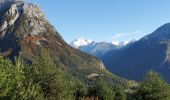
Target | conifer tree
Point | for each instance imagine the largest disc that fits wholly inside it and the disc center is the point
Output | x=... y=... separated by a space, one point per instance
x=153 y=87
x=13 y=83
x=53 y=80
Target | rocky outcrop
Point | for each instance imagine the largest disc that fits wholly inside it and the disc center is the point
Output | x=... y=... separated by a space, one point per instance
x=13 y=9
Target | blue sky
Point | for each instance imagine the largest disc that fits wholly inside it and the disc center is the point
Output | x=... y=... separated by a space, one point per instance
x=105 y=20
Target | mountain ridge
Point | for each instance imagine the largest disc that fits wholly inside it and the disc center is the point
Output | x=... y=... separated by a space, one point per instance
x=81 y=41
x=98 y=49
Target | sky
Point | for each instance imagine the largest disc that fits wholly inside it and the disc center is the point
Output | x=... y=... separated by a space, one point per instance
x=105 y=20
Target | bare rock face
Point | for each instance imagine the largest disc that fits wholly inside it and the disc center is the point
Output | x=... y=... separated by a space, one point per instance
x=12 y=10
x=9 y=18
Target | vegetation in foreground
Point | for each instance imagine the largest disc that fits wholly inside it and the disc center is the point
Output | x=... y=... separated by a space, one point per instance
x=42 y=79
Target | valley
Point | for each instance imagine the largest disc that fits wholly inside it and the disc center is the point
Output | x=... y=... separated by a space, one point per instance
x=36 y=62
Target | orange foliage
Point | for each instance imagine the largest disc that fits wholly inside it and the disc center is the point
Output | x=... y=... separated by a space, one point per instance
x=6 y=53
x=92 y=98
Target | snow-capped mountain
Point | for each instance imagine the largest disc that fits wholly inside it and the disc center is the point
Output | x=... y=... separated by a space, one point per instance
x=80 y=42
x=97 y=49
x=120 y=43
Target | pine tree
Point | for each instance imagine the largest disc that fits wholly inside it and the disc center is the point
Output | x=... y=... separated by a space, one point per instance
x=153 y=87
x=53 y=80
x=80 y=89
x=13 y=83
x=102 y=90
x=119 y=93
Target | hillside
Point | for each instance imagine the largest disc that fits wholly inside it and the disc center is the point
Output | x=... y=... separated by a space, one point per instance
x=149 y=53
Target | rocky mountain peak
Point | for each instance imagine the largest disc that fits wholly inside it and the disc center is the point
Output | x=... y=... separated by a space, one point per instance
x=27 y=8
x=13 y=11
x=81 y=42
x=22 y=6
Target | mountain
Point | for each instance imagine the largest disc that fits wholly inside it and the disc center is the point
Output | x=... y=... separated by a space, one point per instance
x=80 y=42
x=24 y=30
x=120 y=43
x=149 y=53
x=91 y=47
x=97 y=49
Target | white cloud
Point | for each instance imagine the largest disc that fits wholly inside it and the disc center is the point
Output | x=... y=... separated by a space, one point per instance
x=127 y=36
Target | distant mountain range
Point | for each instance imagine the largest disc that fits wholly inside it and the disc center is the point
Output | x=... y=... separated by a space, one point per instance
x=97 y=49
x=133 y=59
x=80 y=42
